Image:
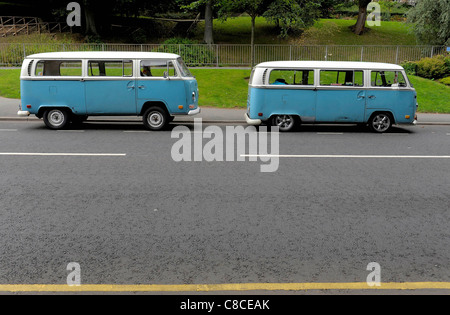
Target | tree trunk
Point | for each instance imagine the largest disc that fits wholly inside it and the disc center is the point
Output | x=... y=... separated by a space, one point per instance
x=360 y=25
x=89 y=15
x=253 y=41
x=208 y=36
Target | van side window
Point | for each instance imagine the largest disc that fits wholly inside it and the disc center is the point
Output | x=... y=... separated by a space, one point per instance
x=388 y=79
x=157 y=68
x=57 y=68
x=107 y=68
x=341 y=78
x=291 y=77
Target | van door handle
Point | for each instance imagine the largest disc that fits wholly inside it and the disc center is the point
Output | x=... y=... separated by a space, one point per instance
x=372 y=97
x=141 y=87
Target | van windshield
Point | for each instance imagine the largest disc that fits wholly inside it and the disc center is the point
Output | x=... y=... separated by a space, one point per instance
x=183 y=68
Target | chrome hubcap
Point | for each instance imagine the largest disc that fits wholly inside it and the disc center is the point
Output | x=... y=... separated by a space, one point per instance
x=381 y=123
x=56 y=118
x=155 y=119
x=284 y=121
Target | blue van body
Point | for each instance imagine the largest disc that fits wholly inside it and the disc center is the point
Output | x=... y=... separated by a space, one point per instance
x=327 y=96
x=116 y=87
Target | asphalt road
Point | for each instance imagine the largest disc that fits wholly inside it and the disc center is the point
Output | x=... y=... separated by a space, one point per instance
x=144 y=219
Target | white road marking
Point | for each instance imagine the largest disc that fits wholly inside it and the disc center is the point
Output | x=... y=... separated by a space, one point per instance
x=351 y=156
x=62 y=154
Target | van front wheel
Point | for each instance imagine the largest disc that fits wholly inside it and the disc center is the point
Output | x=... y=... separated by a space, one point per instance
x=155 y=118
x=284 y=122
x=56 y=118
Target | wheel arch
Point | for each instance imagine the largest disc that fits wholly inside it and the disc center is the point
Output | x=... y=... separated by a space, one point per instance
x=296 y=116
x=43 y=109
x=149 y=104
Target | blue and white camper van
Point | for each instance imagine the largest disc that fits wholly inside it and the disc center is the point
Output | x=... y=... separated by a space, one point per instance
x=66 y=87
x=289 y=93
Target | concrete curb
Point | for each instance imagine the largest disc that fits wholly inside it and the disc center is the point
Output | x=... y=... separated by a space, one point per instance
x=33 y=119
x=206 y=121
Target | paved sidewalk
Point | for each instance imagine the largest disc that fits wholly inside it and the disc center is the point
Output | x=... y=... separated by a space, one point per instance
x=9 y=108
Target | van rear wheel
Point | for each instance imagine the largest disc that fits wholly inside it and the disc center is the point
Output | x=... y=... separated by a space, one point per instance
x=155 y=118
x=56 y=118
x=380 y=122
x=284 y=122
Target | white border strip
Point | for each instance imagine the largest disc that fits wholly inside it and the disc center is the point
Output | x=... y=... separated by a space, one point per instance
x=350 y=156
x=62 y=154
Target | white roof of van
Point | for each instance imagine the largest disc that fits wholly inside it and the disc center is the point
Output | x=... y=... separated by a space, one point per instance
x=330 y=65
x=103 y=55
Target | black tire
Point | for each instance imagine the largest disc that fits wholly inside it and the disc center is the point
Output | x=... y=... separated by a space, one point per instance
x=381 y=122
x=56 y=118
x=285 y=122
x=155 y=118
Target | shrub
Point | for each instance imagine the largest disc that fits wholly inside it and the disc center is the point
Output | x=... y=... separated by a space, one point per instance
x=410 y=67
x=447 y=64
x=446 y=81
x=432 y=68
x=192 y=53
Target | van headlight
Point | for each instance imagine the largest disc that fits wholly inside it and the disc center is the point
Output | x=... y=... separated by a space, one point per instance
x=193 y=96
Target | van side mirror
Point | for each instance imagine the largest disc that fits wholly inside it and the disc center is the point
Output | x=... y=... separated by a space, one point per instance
x=166 y=75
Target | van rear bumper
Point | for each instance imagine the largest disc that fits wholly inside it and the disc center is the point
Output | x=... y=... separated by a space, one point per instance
x=23 y=113
x=252 y=122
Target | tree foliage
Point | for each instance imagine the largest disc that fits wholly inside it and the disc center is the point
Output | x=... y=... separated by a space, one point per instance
x=431 y=21
x=293 y=14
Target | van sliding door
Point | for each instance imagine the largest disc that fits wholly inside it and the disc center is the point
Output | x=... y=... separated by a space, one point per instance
x=341 y=96
x=110 y=88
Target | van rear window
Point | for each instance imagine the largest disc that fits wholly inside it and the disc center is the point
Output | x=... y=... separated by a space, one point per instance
x=291 y=77
x=58 y=68
x=341 y=78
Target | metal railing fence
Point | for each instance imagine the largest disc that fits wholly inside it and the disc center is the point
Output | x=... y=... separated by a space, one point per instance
x=220 y=55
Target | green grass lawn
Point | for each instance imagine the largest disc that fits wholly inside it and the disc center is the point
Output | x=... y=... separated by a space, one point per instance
x=433 y=97
x=222 y=88
x=324 y=32
x=10 y=83
x=227 y=88
x=237 y=31
x=337 y=32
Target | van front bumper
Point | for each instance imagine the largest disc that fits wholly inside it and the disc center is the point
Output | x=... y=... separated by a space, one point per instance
x=23 y=113
x=252 y=122
x=194 y=111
